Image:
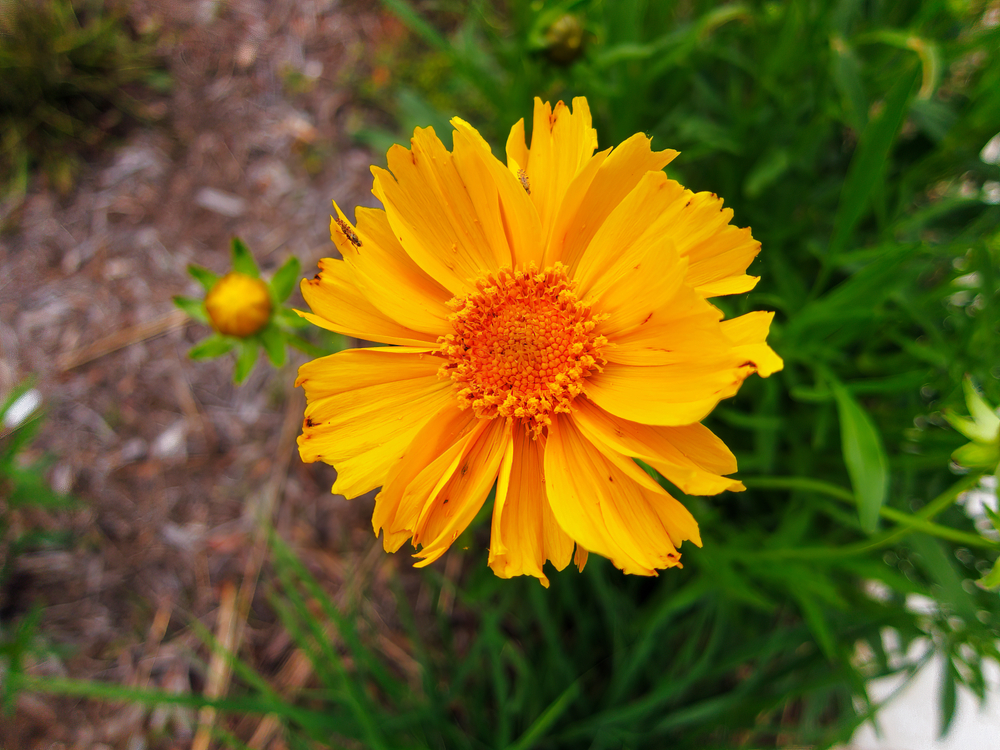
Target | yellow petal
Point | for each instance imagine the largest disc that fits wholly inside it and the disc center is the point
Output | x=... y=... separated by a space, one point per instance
x=338 y=305
x=631 y=273
x=517 y=212
x=666 y=449
x=598 y=191
x=432 y=212
x=525 y=533
x=517 y=149
x=348 y=396
x=627 y=233
x=387 y=276
x=719 y=253
x=569 y=209
x=459 y=495
x=605 y=509
x=679 y=393
x=749 y=332
x=561 y=143
x=684 y=328
x=428 y=457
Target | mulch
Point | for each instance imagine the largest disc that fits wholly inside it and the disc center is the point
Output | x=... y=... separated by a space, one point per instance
x=169 y=461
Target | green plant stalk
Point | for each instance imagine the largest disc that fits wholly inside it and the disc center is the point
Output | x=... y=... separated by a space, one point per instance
x=917 y=522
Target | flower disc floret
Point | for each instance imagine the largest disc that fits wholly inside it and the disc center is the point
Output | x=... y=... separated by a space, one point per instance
x=523 y=345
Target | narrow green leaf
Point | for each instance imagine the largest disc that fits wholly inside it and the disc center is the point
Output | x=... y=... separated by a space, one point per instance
x=948 y=701
x=203 y=276
x=846 y=71
x=284 y=280
x=864 y=456
x=245 y=360
x=405 y=13
x=273 y=341
x=870 y=159
x=537 y=731
x=766 y=171
x=243 y=261
x=193 y=307
x=813 y=615
x=214 y=346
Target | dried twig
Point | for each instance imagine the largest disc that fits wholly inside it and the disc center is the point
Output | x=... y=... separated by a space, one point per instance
x=260 y=508
x=218 y=667
x=125 y=337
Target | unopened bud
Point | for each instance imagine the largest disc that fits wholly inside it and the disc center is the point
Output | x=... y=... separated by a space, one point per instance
x=565 y=39
x=238 y=305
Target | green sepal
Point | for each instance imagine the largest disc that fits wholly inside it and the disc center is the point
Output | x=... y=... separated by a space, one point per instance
x=273 y=341
x=214 y=346
x=245 y=359
x=243 y=261
x=977 y=455
x=284 y=279
x=291 y=318
x=968 y=427
x=987 y=422
x=195 y=308
x=310 y=349
x=992 y=579
x=203 y=276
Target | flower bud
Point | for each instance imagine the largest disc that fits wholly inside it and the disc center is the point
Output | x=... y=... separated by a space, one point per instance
x=238 y=305
x=565 y=39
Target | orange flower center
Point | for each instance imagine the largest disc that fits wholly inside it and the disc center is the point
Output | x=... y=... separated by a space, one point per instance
x=522 y=347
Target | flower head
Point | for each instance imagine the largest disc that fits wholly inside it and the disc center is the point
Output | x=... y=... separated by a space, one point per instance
x=238 y=305
x=550 y=324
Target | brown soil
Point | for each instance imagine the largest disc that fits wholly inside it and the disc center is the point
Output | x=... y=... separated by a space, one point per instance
x=170 y=461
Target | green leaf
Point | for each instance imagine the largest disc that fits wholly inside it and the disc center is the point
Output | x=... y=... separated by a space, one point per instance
x=977 y=456
x=243 y=261
x=766 y=171
x=203 y=276
x=193 y=307
x=283 y=281
x=214 y=346
x=405 y=13
x=870 y=159
x=273 y=341
x=820 y=628
x=867 y=463
x=846 y=72
x=948 y=701
x=245 y=360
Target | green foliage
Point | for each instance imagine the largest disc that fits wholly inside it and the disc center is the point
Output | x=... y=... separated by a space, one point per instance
x=71 y=70
x=22 y=485
x=847 y=135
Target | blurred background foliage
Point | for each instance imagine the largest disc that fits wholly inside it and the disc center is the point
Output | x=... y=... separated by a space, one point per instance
x=73 y=73
x=858 y=139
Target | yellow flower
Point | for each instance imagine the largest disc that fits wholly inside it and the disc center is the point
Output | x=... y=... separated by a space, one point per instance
x=551 y=324
x=238 y=305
